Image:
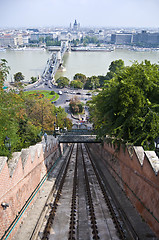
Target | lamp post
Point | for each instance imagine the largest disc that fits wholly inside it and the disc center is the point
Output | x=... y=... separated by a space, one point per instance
x=7 y=143
x=56 y=120
x=45 y=136
x=65 y=124
x=54 y=129
x=41 y=132
x=157 y=146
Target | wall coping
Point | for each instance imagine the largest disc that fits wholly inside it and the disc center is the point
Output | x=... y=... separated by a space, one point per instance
x=150 y=155
x=25 y=153
x=3 y=160
x=143 y=155
x=153 y=160
x=140 y=153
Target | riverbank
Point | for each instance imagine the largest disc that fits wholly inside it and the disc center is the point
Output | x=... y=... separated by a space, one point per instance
x=90 y=47
x=32 y=63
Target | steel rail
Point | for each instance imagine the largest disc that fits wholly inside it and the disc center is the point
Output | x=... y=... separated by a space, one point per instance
x=90 y=202
x=73 y=205
x=55 y=203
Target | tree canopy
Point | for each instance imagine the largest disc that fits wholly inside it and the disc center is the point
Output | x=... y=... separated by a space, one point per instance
x=33 y=79
x=87 y=39
x=62 y=82
x=76 y=105
x=76 y=84
x=92 y=83
x=127 y=108
x=114 y=68
x=80 y=76
x=23 y=116
x=4 y=71
x=18 y=77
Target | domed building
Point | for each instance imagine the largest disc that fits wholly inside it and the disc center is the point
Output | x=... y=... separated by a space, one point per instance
x=75 y=26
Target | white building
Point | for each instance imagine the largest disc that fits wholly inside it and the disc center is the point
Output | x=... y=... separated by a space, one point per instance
x=25 y=40
x=18 y=40
x=7 y=40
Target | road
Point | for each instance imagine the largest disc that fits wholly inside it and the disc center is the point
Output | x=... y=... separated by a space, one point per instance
x=67 y=94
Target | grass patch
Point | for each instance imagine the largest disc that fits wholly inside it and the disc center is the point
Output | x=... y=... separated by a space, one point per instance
x=45 y=93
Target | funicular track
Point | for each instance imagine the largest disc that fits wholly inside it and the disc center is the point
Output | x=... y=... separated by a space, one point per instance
x=82 y=208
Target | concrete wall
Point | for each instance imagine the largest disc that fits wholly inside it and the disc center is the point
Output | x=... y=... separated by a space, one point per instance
x=19 y=177
x=136 y=171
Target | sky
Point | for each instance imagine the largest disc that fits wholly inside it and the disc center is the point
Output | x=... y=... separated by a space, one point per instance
x=89 y=13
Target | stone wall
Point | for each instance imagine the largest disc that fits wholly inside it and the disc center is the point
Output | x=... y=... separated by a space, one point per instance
x=19 y=177
x=136 y=171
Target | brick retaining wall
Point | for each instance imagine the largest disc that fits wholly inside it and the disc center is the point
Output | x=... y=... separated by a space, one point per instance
x=19 y=177
x=137 y=170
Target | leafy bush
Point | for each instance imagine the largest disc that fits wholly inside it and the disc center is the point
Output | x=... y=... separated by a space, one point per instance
x=52 y=93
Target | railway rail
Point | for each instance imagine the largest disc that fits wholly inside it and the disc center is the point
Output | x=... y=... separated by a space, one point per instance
x=83 y=206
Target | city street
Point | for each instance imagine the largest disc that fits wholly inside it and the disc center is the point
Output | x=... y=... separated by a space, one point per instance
x=64 y=99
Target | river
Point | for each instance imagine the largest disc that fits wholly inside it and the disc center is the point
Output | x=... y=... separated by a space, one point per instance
x=33 y=62
x=30 y=62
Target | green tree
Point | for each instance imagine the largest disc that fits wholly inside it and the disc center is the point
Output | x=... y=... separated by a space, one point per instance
x=62 y=118
x=88 y=39
x=80 y=76
x=40 y=112
x=42 y=39
x=127 y=108
x=62 y=82
x=76 y=84
x=101 y=80
x=22 y=117
x=52 y=42
x=33 y=79
x=52 y=92
x=18 y=77
x=4 y=71
x=92 y=83
x=27 y=133
x=76 y=106
x=75 y=42
x=114 y=68
x=12 y=115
